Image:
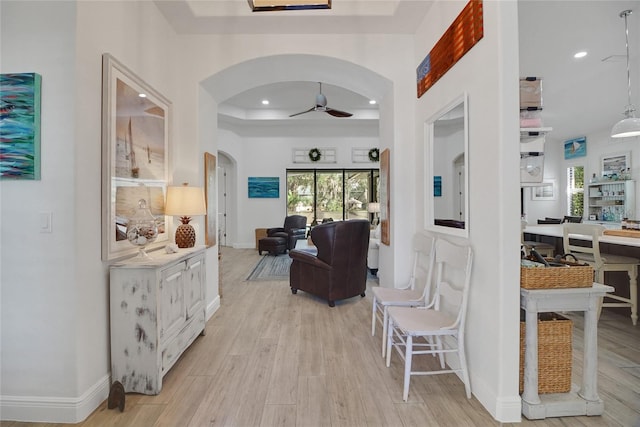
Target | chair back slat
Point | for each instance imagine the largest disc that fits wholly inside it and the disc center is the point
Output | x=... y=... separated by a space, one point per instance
x=422 y=274
x=592 y=247
x=453 y=266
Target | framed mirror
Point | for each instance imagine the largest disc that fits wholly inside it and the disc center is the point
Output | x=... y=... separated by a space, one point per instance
x=446 y=165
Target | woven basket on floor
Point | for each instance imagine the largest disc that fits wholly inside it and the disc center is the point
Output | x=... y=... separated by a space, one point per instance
x=554 y=353
x=576 y=276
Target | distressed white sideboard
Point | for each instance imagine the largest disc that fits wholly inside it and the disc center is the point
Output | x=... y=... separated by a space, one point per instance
x=157 y=311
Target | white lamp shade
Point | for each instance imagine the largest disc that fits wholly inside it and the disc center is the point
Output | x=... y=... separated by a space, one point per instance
x=373 y=207
x=626 y=128
x=185 y=201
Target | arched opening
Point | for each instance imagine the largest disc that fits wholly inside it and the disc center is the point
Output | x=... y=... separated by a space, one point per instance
x=274 y=69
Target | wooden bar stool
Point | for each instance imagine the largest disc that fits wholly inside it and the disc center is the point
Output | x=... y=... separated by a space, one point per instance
x=603 y=262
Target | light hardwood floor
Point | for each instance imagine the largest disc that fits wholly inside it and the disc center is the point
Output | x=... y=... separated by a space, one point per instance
x=270 y=358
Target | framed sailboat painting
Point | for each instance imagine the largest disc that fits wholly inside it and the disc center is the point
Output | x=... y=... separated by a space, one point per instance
x=135 y=155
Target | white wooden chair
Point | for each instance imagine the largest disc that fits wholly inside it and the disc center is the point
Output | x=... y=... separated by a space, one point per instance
x=417 y=291
x=603 y=262
x=441 y=325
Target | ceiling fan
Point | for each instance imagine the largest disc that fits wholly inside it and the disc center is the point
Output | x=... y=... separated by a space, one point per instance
x=321 y=105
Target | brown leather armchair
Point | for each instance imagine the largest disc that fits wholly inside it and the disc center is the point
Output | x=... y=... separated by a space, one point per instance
x=339 y=270
x=295 y=228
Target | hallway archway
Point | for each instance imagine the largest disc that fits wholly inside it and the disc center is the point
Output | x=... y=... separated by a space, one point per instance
x=282 y=68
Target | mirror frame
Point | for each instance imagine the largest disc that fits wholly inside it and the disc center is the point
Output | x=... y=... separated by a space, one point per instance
x=429 y=220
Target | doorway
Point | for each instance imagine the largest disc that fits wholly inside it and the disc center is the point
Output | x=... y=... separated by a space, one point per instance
x=226 y=199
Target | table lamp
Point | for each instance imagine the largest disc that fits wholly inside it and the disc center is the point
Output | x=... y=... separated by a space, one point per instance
x=185 y=201
x=374 y=208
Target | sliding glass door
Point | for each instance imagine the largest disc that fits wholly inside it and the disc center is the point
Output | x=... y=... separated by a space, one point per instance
x=338 y=194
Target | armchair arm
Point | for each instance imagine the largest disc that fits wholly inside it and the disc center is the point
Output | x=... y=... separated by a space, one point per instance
x=271 y=231
x=307 y=258
x=298 y=232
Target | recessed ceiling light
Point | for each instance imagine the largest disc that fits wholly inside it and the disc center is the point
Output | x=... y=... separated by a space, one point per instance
x=580 y=54
x=142 y=95
x=265 y=102
x=372 y=101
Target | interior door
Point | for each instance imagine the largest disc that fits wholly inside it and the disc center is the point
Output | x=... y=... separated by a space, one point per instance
x=222 y=204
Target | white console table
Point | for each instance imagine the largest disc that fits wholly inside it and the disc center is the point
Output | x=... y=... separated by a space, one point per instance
x=579 y=401
x=157 y=311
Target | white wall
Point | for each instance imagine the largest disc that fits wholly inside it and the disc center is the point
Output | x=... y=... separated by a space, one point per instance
x=599 y=144
x=489 y=74
x=366 y=64
x=39 y=291
x=55 y=324
x=55 y=331
x=272 y=156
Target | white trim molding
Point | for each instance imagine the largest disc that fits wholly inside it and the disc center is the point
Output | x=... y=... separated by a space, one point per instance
x=302 y=155
x=55 y=409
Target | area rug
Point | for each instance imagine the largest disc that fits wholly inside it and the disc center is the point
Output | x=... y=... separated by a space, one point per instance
x=271 y=268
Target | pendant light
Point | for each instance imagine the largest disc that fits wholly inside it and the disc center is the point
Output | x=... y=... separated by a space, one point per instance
x=630 y=125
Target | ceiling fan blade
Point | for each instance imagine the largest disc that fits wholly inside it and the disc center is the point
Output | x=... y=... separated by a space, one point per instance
x=337 y=113
x=303 y=112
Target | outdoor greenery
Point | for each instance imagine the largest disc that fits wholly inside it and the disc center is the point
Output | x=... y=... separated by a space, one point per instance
x=337 y=194
x=576 y=195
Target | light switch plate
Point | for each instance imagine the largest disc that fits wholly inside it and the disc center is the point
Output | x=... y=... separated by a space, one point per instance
x=45 y=222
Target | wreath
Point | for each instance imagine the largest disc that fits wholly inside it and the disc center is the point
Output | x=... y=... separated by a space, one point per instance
x=315 y=155
x=374 y=155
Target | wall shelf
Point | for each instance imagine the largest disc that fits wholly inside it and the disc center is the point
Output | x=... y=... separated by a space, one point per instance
x=533 y=132
x=611 y=201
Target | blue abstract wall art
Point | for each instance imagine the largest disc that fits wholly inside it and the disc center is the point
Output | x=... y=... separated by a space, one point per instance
x=264 y=187
x=20 y=126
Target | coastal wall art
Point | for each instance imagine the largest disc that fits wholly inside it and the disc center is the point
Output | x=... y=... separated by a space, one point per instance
x=20 y=98
x=264 y=187
x=135 y=155
x=463 y=33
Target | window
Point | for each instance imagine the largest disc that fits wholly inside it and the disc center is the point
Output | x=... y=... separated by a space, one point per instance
x=575 y=190
x=332 y=193
x=329 y=195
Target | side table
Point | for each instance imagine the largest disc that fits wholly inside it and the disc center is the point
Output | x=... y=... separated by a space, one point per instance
x=260 y=233
x=582 y=401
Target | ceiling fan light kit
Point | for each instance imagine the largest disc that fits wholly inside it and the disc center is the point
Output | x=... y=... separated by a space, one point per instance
x=321 y=105
x=630 y=125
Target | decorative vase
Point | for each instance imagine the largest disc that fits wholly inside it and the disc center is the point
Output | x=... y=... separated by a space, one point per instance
x=142 y=229
x=185 y=233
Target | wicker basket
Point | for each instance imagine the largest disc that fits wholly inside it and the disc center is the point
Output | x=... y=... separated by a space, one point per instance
x=576 y=276
x=554 y=353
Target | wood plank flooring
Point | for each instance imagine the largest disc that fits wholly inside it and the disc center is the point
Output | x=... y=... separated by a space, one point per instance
x=271 y=358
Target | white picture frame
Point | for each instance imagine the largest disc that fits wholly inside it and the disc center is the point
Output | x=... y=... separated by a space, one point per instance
x=547 y=190
x=614 y=165
x=135 y=156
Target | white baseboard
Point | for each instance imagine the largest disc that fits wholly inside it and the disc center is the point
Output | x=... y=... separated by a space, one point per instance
x=212 y=307
x=65 y=409
x=509 y=410
x=503 y=409
x=55 y=409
